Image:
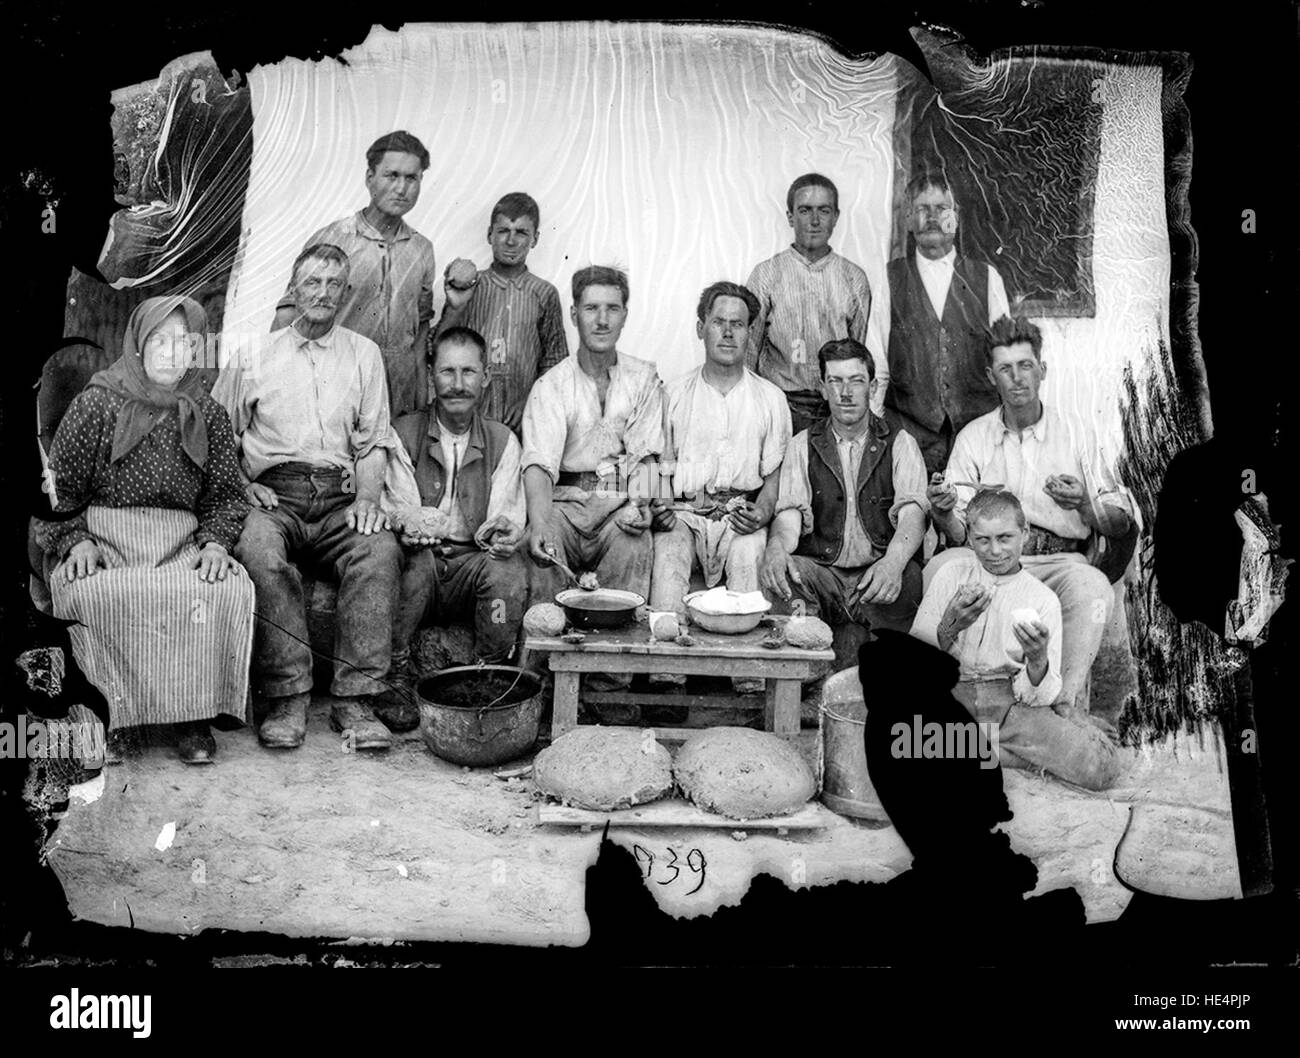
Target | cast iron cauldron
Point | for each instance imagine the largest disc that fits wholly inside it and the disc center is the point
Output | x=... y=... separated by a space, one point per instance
x=480 y=714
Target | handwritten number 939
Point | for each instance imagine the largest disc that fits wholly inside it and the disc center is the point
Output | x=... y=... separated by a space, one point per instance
x=694 y=861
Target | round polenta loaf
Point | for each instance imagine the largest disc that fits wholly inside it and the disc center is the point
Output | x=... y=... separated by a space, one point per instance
x=742 y=773
x=544 y=619
x=811 y=633
x=604 y=768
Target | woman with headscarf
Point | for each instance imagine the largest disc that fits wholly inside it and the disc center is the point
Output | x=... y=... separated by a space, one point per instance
x=165 y=613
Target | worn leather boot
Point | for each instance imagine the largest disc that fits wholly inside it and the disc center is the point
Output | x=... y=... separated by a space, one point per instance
x=356 y=717
x=195 y=743
x=397 y=706
x=285 y=725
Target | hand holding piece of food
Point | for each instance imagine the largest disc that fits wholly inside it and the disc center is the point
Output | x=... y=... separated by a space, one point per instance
x=1066 y=491
x=967 y=603
x=635 y=519
x=421 y=526
x=458 y=282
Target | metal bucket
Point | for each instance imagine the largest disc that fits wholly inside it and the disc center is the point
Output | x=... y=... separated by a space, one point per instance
x=480 y=714
x=846 y=786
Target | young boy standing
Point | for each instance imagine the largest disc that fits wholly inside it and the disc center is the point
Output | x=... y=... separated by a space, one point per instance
x=517 y=313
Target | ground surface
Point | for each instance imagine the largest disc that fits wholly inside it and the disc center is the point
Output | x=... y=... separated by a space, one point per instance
x=322 y=843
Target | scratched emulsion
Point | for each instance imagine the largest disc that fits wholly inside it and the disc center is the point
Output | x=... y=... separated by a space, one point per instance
x=667 y=150
x=182 y=145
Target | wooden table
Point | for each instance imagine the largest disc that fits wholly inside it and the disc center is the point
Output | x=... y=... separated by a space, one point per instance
x=631 y=650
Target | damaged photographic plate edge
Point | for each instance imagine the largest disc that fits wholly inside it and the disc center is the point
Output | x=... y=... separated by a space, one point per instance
x=668 y=152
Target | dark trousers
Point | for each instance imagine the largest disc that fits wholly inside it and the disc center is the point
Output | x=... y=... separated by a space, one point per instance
x=825 y=593
x=437 y=588
x=308 y=526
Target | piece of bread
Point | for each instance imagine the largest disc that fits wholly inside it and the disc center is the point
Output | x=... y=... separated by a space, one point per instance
x=462 y=273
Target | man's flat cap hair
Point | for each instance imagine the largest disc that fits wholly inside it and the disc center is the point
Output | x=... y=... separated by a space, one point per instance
x=599 y=276
x=515 y=205
x=723 y=289
x=1007 y=332
x=460 y=336
x=811 y=180
x=397 y=141
x=845 y=349
x=993 y=503
x=320 y=251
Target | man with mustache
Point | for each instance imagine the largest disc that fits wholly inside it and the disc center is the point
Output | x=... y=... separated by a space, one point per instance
x=462 y=551
x=851 y=509
x=1004 y=626
x=390 y=293
x=310 y=417
x=808 y=295
x=940 y=304
x=1054 y=467
x=727 y=434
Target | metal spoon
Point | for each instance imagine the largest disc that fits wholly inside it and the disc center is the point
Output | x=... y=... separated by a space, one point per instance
x=563 y=568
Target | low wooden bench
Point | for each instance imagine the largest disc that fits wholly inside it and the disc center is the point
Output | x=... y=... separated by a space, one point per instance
x=631 y=650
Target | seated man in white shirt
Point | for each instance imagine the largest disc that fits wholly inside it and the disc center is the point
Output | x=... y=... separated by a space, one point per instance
x=462 y=552
x=1068 y=491
x=313 y=430
x=1004 y=627
x=727 y=433
x=593 y=426
x=851 y=507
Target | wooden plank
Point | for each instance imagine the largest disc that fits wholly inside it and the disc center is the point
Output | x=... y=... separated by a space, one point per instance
x=700 y=665
x=564 y=710
x=783 y=707
x=636 y=640
x=677 y=812
x=705 y=702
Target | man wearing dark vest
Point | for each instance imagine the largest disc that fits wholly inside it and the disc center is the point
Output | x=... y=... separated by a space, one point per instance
x=461 y=546
x=847 y=551
x=941 y=304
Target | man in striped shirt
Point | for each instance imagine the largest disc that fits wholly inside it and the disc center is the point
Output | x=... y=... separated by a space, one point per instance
x=517 y=313
x=808 y=295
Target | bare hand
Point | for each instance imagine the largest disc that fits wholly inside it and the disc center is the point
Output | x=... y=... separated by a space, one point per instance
x=663 y=517
x=84 y=560
x=941 y=495
x=499 y=536
x=1032 y=637
x=635 y=519
x=411 y=539
x=882 y=582
x=365 y=517
x=544 y=545
x=749 y=518
x=966 y=605
x=214 y=562
x=261 y=496
x=1066 y=491
x=457 y=298
x=776 y=571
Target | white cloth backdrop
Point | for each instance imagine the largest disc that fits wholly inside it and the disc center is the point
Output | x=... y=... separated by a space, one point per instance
x=663 y=149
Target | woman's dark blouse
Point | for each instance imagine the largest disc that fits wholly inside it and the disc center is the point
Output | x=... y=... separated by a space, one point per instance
x=156 y=473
